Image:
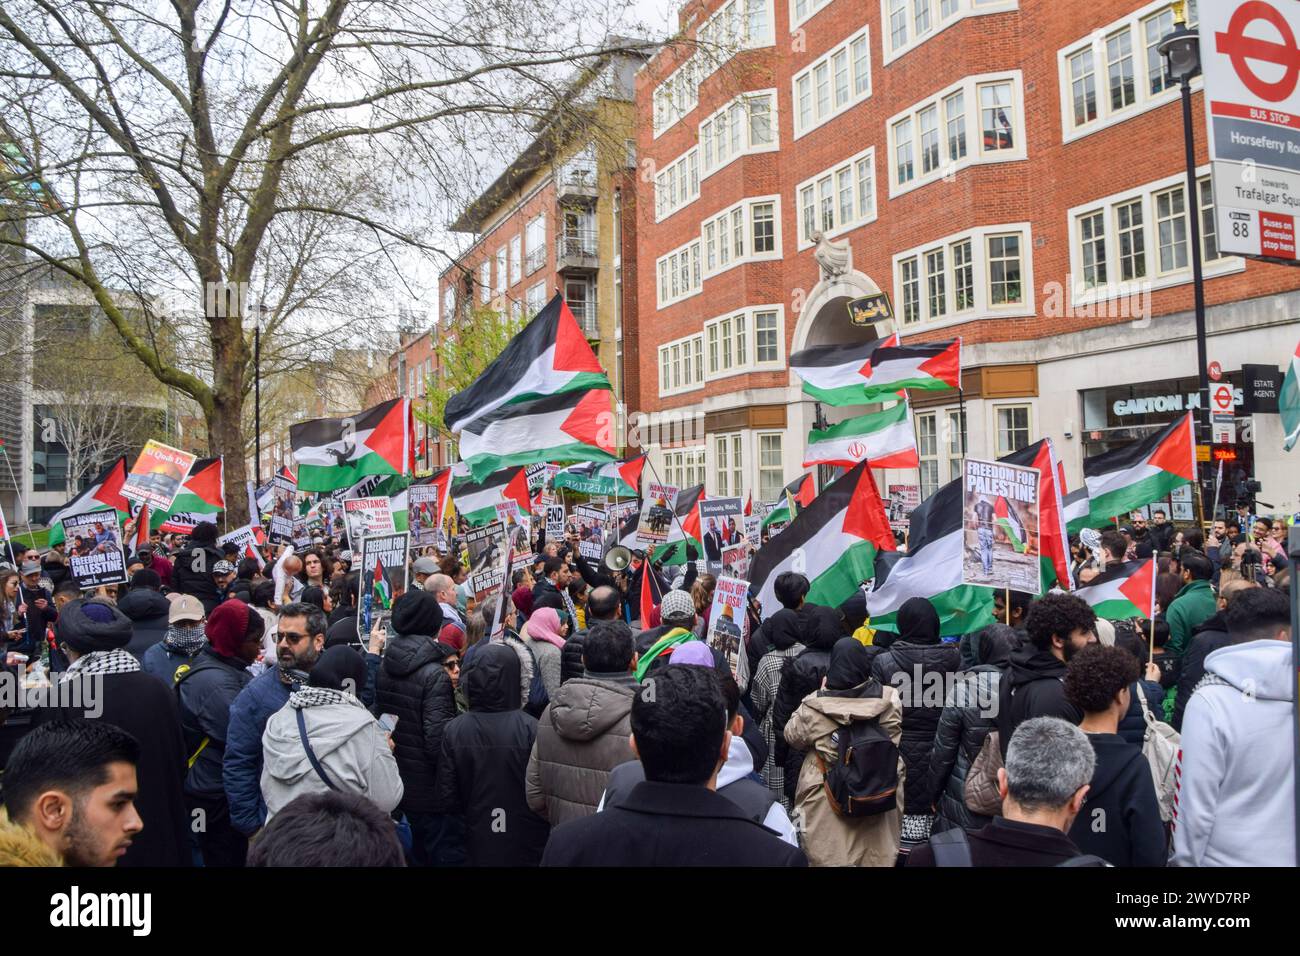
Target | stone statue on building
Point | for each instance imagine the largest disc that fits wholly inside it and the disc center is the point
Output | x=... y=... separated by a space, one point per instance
x=834 y=258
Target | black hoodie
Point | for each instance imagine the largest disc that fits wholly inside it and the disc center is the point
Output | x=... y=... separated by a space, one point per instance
x=1032 y=687
x=1120 y=820
x=148 y=610
x=783 y=629
x=484 y=761
x=823 y=626
x=1211 y=635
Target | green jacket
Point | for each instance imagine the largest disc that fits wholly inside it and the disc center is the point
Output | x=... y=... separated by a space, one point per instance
x=1190 y=608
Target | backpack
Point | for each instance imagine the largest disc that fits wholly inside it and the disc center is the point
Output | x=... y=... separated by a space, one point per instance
x=952 y=848
x=863 y=781
x=980 y=790
x=1160 y=745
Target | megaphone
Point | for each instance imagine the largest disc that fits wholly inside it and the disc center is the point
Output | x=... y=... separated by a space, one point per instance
x=618 y=558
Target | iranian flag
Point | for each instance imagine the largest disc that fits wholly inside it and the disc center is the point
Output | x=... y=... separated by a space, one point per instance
x=104 y=490
x=199 y=500
x=549 y=356
x=838 y=374
x=620 y=478
x=1127 y=478
x=1123 y=591
x=334 y=453
x=799 y=493
x=686 y=527
x=476 y=501
x=926 y=366
x=1053 y=539
x=1288 y=403
x=559 y=427
x=882 y=439
x=833 y=541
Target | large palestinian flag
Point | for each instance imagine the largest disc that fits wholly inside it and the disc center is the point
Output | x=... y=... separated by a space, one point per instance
x=1053 y=539
x=801 y=492
x=1076 y=510
x=199 y=500
x=1123 y=591
x=834 y=542
x=1145 y=471
x=476 y=501
x=883 y=439
x=838 y=374
x=334 y=453
x=564 y=426
x=1288 y=403
x=685 y=528
x=925 y=366
x=104 y=490
x=619 y=478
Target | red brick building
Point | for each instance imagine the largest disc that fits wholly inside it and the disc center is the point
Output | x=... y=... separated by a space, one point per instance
x=1008 y=171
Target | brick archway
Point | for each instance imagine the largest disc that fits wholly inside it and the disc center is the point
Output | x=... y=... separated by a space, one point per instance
x=825 y=320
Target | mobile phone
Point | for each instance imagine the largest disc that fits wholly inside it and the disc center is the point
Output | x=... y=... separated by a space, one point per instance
x=387 y=722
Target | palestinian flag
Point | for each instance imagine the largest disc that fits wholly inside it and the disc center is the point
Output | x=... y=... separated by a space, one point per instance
x=685 y=528
x=800 y=492
x=548 y=357
x=199 y=500
x=383 y=594
x=1005 y=517
x=883 y=439
x=141 y=536
x=926 y=366
x=1288 y=403
x=1127 y=478
x=833 y=541
x=1076 y=510
x=649 y=600
x=333 y=453
x=104 y=490
x=560 y=427
x=1123 y=591
x=838 y=374
x=620 y=478
x=749 y=505
x=476 y=501
x=1053 y=539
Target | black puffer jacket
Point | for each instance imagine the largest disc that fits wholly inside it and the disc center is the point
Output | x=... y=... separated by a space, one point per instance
x=823 y=626
x=413 y=685
x=1032 y=687
x=969 y=715
x=484 y=761
x=907 y=665
x=571 y=665
x=192 y=574
x=148 y=610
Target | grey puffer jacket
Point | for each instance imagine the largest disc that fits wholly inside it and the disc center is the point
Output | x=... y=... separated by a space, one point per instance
x=582 y=735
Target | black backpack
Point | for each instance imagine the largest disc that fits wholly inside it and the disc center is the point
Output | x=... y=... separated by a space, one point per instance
x=952 y=848
x=863 y=781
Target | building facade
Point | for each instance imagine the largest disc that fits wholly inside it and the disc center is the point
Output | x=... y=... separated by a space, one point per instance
x=1010 y=172
x=555 y=220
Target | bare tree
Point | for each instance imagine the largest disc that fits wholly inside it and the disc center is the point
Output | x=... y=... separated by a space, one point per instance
x=287 y=152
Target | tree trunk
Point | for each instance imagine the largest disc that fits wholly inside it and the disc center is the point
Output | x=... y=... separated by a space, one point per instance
x=225 y=419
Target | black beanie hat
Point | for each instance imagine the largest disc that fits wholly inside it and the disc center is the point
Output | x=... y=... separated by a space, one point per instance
x=417 y=612
x=92 y=624
x=339 y=668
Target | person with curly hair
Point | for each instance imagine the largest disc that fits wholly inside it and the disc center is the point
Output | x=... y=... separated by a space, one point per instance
x=1120 y=820
x=1058 y=627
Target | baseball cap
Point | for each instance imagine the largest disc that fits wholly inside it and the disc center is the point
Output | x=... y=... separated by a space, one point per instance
x=185 y=607
x=31 y=567
x=1125 y=530
x=676 y=605
x=223 y=567
x=425 y=565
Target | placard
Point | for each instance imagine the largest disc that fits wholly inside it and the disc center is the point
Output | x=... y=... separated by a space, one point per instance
x=517 y=530
x=735 y=560
x=618 y=518
x=589 y=525
x=486 y=547
x=658 y=512
x=754 y=531
x=157 y=475
x=554 y=522
x=424 y=515
x=94 y=548
x=246 y=539
x=722 y=521
x=727 y=619
x=368 y=516
x=903 y=500
x=382 y=579
x=1000 y=505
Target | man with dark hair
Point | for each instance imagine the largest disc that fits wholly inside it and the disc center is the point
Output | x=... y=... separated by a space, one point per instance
x=147 y=607
x=604 y=603
x=1120 y=820
x=155 y=562
x=675 y=817
x=1020 y=601
x=328 y=829
x=1113 y=547
x=70 y=786
x=1236 y=763
x=1161 y=531
x=192 y=572
x=343 y=619
x=583 y=733
x=552 y=590
x=785 y=627
x=1193 y=605
x=1058 y=627
x=300 y=639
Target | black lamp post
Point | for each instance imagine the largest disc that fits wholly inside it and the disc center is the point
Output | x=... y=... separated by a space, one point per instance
x=1182 y=55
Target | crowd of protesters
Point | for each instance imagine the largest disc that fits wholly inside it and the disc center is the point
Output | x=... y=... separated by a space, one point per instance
x=244 y=717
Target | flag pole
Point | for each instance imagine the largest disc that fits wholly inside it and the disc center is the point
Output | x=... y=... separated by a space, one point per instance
x=1006 y=600
x=676 y=516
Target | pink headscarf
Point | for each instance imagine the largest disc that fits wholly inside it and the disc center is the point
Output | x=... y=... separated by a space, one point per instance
x=544 y=625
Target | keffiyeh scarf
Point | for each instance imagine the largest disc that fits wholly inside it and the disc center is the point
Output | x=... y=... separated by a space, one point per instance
x=187 y=639
x=116 y=661
x=321 y=697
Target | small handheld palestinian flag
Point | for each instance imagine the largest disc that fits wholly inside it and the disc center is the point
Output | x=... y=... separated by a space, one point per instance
x=383 y=595
x=1123 y=591
x=1005 y=517
x=141 y=536
x=334 y=453
x=799 y=493
x=1288 y=403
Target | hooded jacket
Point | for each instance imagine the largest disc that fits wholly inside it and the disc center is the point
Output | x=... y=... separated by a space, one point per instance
x=1211 y=635
x=915 y=664
x=830 y=839
x=413 y=685
x=781 y=630
x=1120 y=820
x=582 y=735
x=1236 y=769
x=192 y=574
x=241 y=772
x=1033 y=687
x=19 y=846
x=823 y=626
x=148 y=610
x=205 y=693
x=484 y=759
x=1193 y=605
x=348 y=743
